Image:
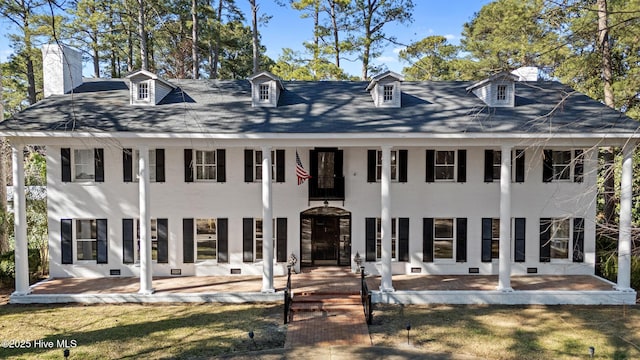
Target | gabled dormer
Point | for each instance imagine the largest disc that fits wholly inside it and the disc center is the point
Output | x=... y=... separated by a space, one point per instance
x=385 y=89
x=147 y=88
x=496 y=91
x=265 y=89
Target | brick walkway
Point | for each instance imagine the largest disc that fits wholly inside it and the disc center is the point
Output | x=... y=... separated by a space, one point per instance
x=327 y=310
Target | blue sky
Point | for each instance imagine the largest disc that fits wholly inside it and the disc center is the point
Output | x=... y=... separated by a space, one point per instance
x=287 y=29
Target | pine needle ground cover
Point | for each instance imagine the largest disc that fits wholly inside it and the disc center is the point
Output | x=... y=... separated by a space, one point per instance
x=512 y=332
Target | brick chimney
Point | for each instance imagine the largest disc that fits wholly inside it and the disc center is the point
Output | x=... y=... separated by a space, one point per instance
x=62 y=69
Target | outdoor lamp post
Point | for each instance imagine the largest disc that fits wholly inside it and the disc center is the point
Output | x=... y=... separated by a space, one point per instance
x=408 y=329
x=592 y=351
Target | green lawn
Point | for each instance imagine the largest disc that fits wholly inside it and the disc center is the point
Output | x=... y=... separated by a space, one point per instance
x=197 y=331
x=139 y=331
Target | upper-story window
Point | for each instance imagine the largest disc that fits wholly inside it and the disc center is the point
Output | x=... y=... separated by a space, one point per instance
x=563 y=165
x=501 y=93
x=84 y=168
x=263 y=92
x=387 y=93
x=143 y=91
x=394 y=165
x=205 y=165
x=445 y=165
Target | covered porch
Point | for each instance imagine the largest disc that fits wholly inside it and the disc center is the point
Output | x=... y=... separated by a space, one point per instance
x=409 y=289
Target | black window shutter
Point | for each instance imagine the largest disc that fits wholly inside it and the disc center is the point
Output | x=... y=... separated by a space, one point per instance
x=313 y=172
x=520 y=231
x=519 y=166
x=338 y=167
x=160 y=168
x=403 y=239
x=462 y=166
x=221 y=165
x=281 y=239
x=163 y=241
x=431 y=166
x=545 y=240
x=247 y=239
x=98 y=158
x=486 y=239
x=223 y=240
x=427 y=239
x=547 y=166
x=127 y=241
x=66 y=246
x=488 y=166
x=280 y=166
x=101 y=244
x=187 y=241
x=403 y=159
x=578 y=240
x=248 y=165
x=370 y=239
x=578 y=167
x=127 y=165
x=461 y=239
x=188 y=166
x=65 y=155
x=372 y=161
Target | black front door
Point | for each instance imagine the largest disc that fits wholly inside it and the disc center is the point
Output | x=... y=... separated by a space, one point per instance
x=325 y=237
x=325 y=240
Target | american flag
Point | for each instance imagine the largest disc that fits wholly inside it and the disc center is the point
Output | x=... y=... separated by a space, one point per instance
x=301 y=173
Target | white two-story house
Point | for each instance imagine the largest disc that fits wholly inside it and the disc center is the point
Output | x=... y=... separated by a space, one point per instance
x=153 y=177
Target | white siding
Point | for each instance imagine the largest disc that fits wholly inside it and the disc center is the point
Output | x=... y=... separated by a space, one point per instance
x=235 y=199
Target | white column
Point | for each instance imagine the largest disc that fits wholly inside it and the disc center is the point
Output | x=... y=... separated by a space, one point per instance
x=20 y=216
x=385 y=217
x=504 y=278
x=146 y=271
x=267 y=222
x=624 y=241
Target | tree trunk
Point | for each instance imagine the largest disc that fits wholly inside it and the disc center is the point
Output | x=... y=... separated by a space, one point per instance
x=608 y=153
x=254 y=28
x=336 y=37
x=194 y=39
x=216 y=48
x=142 y=33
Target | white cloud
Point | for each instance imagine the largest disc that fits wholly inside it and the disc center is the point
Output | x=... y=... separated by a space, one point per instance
x=398 y=49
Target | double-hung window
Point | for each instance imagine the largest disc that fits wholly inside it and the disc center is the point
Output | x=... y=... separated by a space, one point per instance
x=394 y=165
x=493 y=162
x=443 y=239
x=206 y=239
x=154 y=239
x=563 y=165
x=398 y=165
x=253 y=165
x=394 y=239
x=84 y=164
x=445 y=165
x=562 y=239
x=152 y=165
x=86 y=239
x=205 y=165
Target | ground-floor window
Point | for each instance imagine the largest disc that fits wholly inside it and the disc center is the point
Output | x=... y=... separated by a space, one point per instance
x=562 y=239
x=206 y=239
x=86 y=239
x=443 y=240
x=154 y=239
x=394 y=238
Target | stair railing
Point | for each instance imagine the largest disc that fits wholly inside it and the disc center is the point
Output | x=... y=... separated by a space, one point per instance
x=365 y=296
x=288 y=297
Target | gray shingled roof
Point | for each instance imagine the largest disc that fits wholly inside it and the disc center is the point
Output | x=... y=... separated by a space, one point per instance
x=207 y=106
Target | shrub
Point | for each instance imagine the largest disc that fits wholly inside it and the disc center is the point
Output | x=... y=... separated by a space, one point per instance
x=8 y=267
x=609 y=269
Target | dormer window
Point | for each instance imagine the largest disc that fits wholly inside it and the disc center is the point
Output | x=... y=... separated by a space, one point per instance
x=387 y=93
x=143 y=91
x=147 y=89
x=385 y=90
x=501 y=93
x=265 y=89
x=264 y=92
